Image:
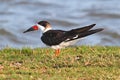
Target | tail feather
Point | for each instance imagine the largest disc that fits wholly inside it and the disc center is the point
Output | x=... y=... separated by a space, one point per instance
x=89 y=32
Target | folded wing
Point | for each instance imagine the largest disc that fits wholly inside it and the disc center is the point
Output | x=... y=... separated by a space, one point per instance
x=81 y=32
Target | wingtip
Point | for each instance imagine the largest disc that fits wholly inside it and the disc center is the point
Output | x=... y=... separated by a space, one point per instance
x=93 y=24
x=98 y=30
x=101 y=29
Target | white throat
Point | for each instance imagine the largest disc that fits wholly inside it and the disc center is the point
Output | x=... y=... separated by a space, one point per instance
x=43 y=29
x=47 y=29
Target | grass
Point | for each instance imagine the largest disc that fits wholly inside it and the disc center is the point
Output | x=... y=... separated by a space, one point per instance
x=75 y=63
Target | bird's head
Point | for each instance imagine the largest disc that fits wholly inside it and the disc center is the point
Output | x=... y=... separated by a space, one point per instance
x=44 y=26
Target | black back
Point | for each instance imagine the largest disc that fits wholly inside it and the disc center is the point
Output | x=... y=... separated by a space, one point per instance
x=53 y=37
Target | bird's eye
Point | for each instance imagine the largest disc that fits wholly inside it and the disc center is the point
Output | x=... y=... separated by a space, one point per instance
x=44 y=25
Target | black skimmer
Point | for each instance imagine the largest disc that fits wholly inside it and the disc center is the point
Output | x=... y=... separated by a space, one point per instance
x=58 y=39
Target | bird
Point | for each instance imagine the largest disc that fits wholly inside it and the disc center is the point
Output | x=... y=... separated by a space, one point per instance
x=58 y=39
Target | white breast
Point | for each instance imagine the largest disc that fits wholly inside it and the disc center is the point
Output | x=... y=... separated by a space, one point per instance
x=64 y=44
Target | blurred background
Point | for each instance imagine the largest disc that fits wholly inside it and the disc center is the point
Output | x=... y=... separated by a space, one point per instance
x=18 y=15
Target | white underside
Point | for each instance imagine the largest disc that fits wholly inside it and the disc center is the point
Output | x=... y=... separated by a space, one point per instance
x=65 y=44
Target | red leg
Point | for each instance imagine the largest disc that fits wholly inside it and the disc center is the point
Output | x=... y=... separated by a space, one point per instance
x=47 y=52
x=57 y=52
